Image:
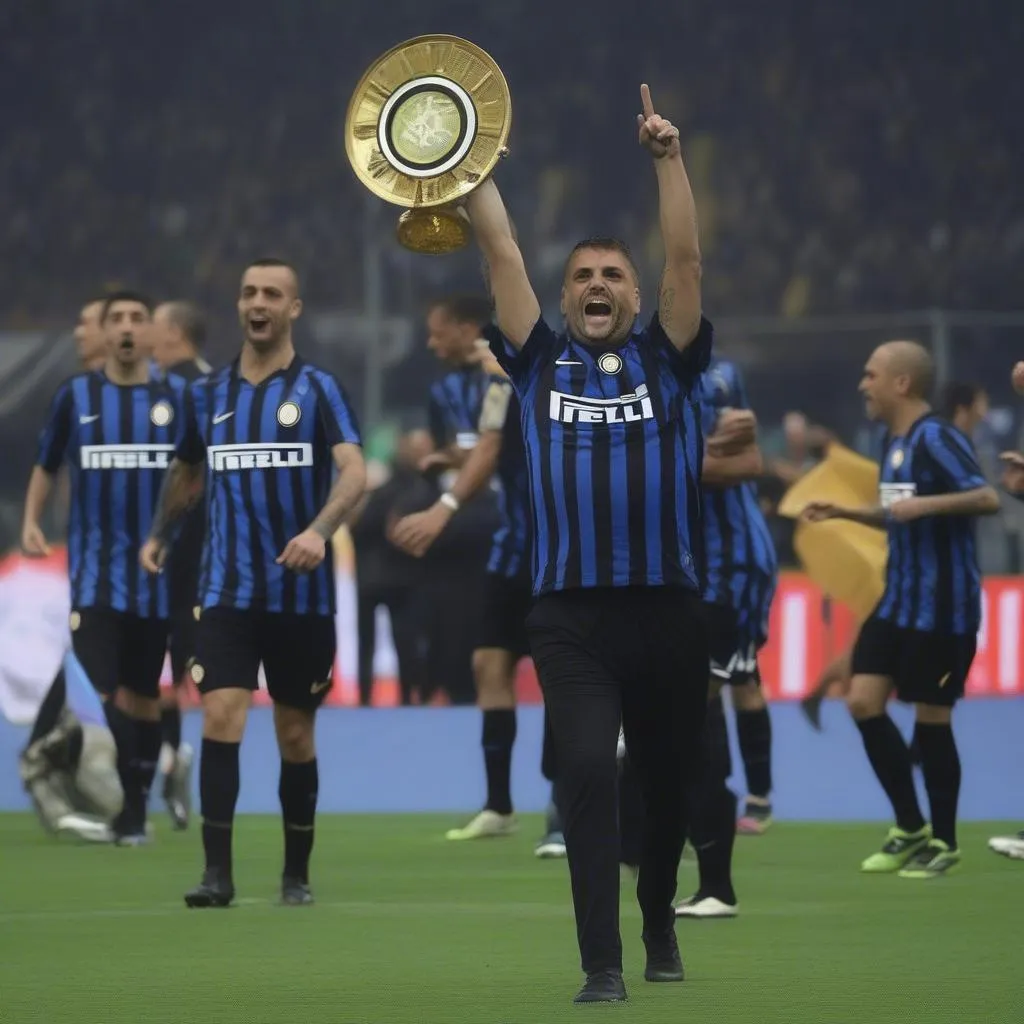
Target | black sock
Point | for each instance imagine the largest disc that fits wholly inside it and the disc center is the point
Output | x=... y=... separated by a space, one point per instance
x=148 y=739
x=170 y=725
x=298 y=789
x=890 y=759
x=713 y=809
x=940 y=763
x=218 y=794
x=754 y=731
x=132 y=816
x=499 y=736
x=49 y=711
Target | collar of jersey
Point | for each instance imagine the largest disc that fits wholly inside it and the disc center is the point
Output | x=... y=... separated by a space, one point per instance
x=290 y=372
x=596 y=351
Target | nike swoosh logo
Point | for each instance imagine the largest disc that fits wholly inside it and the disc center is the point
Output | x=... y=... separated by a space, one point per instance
x=222 y=417
x=567 y=362
x=319 y=687
x=944 y=679
x=88 y=419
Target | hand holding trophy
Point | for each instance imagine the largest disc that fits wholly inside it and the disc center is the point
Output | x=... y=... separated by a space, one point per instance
x=427 y=124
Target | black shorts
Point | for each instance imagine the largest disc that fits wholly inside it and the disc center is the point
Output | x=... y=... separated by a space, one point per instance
x=506 y=603
x=296 y=651
x=733 y=649
x=117 y=649
x=182 y=643
x=925 y=667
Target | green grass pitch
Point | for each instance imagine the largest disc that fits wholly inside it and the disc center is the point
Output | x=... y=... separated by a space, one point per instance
x=409 y=928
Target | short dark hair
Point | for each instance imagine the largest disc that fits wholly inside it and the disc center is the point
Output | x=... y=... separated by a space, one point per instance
x=274 y=261
x=467 y=309
x=125 y=295
x=605 y=243
x=188 y=318
x=958 y=395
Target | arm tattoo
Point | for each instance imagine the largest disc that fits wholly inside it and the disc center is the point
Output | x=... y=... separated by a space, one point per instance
x=344 y=497
x=665 y=304
x=179 y=492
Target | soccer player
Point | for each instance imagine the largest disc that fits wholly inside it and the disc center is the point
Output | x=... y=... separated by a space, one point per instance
x=179 y=334
x=271 y=429
x=920 y=640
x=741 y=580
x=741 y=568
x=732 y=457
x=90 y=342
x=454 y=572
x=614 y=448
x=116 y=427
x=91 y=347
x=506 y=602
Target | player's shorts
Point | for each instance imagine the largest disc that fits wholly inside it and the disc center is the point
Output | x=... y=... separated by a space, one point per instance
x=507 y=601
x=296 y=651
x=925 y=667
x=182 y=643
x=735 y=637
x=118 y=649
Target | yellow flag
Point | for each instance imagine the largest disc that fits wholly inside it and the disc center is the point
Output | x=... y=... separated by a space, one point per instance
x=847 y=560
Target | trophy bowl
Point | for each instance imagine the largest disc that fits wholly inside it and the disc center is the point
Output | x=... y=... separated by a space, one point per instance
x=426 y=124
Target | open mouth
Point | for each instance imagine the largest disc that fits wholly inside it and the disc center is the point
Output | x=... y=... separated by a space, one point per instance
x=259 y=324
x=126 y=344
x=597 y=307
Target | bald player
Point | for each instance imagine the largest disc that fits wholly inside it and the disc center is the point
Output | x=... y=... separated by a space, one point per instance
x=920 y=640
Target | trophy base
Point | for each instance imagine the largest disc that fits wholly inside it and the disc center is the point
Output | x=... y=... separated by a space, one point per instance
x=433 y=231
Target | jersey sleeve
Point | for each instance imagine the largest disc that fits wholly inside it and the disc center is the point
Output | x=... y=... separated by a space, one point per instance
x=494 y=411
x=53 y=440
x=953 y=457
x=190 y=447
x=522 y=364
x=693 y=360
x=737 y=390
x=339 y=418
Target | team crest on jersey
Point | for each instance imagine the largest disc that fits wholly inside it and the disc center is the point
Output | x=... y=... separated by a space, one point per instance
x=75 y=621
x=896 y=459
x=609 y=363
x=288 y=414
x=197 y=672
x=161 y=414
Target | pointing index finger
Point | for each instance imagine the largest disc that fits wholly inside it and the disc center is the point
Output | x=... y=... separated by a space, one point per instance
x=645 y=99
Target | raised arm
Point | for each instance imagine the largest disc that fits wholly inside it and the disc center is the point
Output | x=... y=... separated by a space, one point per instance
x=679 y=304
x=515 y=303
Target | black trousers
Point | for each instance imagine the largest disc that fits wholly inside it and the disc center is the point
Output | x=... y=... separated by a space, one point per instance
x=406 y=633
x=639 y=657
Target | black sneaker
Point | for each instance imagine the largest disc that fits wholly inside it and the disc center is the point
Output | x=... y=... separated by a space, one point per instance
x=295 y=893
x=663 y=960
x=215 y=890
x=602 y=987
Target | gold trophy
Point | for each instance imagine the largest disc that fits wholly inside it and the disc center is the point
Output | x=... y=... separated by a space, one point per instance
x=427 y=124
